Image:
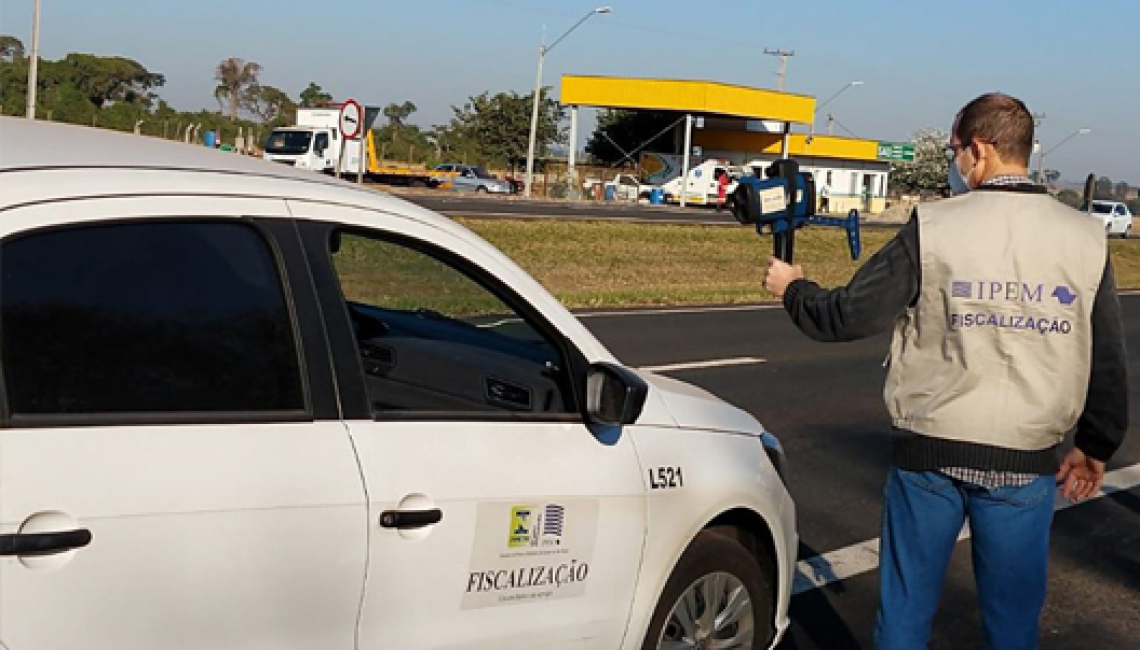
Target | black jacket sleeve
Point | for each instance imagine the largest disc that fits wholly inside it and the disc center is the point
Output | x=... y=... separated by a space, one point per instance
x=880 y=290
x=1101 y=427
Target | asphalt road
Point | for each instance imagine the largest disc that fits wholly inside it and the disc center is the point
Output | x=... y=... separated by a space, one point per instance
x=498 y=207
x=825 y=404
x=470 y=205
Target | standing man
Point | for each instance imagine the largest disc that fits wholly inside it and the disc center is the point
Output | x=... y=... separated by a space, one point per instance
x=1007 y=335
x=722 y=181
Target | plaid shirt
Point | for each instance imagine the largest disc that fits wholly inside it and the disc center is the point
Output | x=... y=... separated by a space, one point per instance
x=988 y=478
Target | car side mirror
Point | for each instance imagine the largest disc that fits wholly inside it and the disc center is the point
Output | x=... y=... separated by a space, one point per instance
x=615 y=395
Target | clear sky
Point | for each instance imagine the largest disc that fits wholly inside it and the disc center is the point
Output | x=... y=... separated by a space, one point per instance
x=1076 y=61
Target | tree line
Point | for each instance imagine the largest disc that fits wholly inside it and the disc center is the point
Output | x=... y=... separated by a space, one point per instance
x=120 y=93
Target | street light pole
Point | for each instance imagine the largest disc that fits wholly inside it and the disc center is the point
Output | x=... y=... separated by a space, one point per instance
x=1041 y=157
x=33 y=64
x=542 y=52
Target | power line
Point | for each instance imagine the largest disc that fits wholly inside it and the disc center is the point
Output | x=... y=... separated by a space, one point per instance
x=849 y=131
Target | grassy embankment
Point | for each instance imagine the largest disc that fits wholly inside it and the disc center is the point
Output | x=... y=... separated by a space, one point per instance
x=609 y=264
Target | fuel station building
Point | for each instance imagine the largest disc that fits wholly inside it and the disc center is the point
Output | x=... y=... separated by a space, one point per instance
x=745 y=127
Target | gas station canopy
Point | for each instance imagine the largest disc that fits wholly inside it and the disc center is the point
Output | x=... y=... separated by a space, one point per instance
x=698 y=97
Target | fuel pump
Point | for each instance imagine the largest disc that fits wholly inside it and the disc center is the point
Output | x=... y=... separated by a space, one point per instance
x=785 y=202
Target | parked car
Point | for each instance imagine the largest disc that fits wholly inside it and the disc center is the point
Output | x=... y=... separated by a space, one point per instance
x=1117 y=217
x=247 y=406
x=469 y=178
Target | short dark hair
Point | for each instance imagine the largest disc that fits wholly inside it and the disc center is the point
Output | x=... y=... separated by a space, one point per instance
x=1001 y=120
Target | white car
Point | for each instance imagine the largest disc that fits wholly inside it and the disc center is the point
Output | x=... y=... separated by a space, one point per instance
x=1117 y=217
x=469 y=178
x=246 y=406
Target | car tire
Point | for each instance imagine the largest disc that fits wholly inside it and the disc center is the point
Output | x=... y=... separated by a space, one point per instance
x=1127 y=232
x=715 y=565
x=482 y=189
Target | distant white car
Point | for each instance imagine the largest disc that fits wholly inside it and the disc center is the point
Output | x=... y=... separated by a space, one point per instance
x=246 y=406
x=1117 y=217
x=469 y=178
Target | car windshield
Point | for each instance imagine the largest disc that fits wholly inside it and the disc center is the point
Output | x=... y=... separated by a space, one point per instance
x=480 y=172
x=1102 y=208
x=288 y=142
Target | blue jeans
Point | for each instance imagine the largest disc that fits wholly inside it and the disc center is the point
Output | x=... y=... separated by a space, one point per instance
x=923 y=513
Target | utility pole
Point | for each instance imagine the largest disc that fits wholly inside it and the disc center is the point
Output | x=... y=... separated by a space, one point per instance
x=34 y=63
x=1037 y=119
x=782 y=75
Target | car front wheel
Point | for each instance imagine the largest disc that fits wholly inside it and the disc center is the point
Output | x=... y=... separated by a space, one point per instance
x=717 y=597
x=482 y=189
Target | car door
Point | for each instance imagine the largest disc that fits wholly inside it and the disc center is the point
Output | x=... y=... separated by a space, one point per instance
x=322 y=151
x=465 y=180
x=498 y=518
x=174 y=472
x=1121 y=219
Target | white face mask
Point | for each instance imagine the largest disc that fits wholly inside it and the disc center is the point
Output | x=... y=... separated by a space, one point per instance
x=958 y=184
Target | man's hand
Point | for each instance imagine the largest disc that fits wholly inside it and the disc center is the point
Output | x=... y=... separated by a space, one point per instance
x=1080 y=476
x=779 y=275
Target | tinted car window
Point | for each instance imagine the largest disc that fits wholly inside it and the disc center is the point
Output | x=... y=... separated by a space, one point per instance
x=145 y=318
x=432 y=339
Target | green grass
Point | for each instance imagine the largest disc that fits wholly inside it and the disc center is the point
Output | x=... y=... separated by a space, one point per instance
x=611 y=264
x=614 y=264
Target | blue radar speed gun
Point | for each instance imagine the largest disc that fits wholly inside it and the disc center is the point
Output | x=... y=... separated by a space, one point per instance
x=785 y=201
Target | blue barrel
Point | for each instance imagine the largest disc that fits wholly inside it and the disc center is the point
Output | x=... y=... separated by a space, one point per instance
x=657 y=196
x=211 y=139
x=610 y=192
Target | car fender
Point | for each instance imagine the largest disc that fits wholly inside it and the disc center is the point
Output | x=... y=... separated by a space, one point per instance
x=718 y=473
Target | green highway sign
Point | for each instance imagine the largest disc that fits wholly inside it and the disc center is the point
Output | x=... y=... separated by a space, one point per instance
x=896 y=151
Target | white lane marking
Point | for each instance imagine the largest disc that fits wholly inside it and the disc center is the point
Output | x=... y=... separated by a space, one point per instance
x=842 y=564
x=714 y=363
x=679 y=310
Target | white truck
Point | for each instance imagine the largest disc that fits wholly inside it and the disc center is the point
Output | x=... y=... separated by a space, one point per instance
x=314 y=143
x=701 y=187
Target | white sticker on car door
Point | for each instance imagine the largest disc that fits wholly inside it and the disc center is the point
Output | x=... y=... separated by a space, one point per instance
x=528 y=552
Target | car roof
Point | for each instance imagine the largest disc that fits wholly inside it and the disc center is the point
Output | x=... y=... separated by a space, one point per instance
x=30 y=146
x=34 y=144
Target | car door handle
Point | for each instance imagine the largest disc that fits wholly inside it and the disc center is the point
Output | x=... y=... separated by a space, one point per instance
x=410 y=519
x=44 y=543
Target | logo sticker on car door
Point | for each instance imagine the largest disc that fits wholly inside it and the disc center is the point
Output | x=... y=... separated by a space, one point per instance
x=531 y=552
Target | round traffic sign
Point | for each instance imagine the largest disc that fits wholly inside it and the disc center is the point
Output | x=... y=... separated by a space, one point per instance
x=351 y=119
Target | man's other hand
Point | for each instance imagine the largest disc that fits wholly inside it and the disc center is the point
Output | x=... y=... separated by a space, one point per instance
x=779 y=275
x=1080 y=476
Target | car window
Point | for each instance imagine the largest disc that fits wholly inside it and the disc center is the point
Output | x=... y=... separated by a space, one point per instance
x=145 y=318
x=1120 y=210
x=1102 y=208
x=321 y=142
x=432 y=339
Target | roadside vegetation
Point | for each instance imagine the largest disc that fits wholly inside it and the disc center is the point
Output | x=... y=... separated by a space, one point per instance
x=606 y=264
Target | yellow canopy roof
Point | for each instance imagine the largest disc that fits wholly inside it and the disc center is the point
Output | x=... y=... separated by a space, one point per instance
x=703 y=97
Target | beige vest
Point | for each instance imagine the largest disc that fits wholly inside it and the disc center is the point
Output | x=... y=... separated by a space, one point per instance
x=997 y=350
